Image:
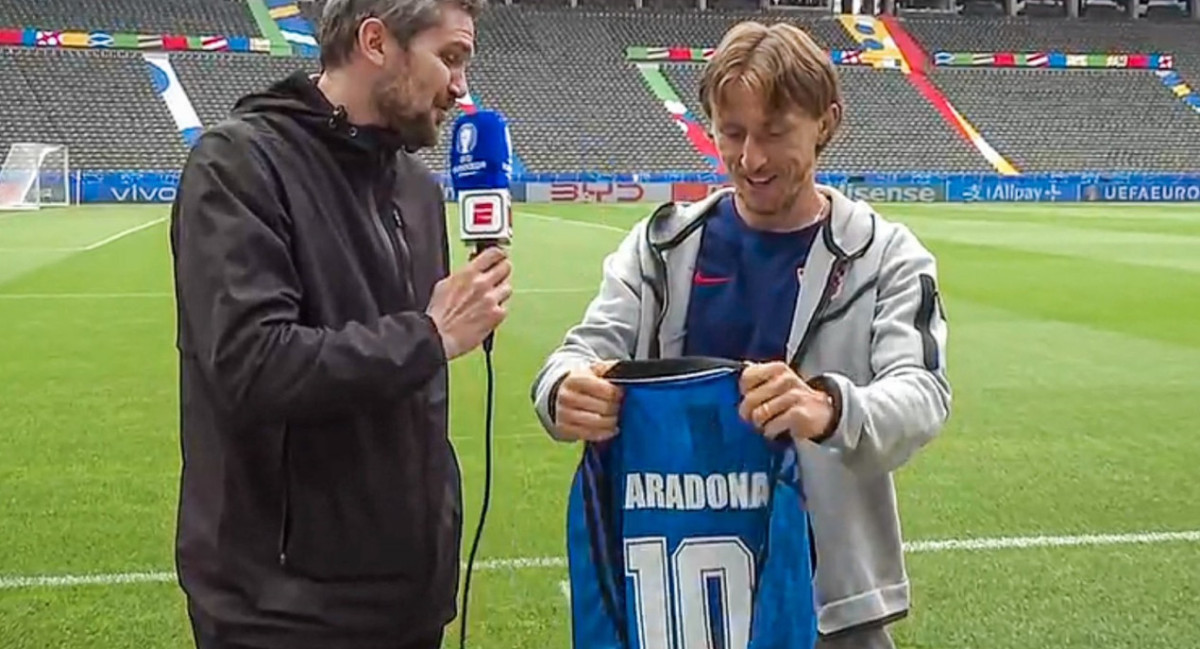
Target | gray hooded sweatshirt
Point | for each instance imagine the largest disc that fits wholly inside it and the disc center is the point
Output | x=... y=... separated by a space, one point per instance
x=874 y=338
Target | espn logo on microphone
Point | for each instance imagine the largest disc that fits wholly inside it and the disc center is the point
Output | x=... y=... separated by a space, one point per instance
x=485 y=215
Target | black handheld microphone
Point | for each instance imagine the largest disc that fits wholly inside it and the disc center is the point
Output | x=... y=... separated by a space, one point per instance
x=480 y=170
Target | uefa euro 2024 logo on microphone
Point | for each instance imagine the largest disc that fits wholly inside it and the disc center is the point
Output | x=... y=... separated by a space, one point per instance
x=467 y=137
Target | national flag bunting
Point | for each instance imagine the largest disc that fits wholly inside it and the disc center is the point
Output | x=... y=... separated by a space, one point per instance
x=100 y=40
x=1037 y=60
x=73 y=39
x=214 y=43
x=48 y=39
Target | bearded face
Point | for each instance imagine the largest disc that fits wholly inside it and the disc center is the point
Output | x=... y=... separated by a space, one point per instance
x=407 y=108
x=771 y=155
x=418 y=85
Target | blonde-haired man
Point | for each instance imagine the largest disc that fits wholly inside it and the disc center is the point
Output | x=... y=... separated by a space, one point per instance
x=834 y=309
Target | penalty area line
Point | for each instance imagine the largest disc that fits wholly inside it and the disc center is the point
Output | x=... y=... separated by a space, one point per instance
x=8 y=582
x=122 y=234
x=575 y=222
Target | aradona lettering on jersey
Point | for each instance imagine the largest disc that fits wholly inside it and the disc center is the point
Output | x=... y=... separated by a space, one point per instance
x=692 y=491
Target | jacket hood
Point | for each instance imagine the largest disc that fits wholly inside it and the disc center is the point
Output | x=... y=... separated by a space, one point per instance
x=297 y=98
x=849 y=231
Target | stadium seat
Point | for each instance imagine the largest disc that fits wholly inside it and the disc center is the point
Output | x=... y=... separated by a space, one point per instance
x=102 y=105
x=569 y=94
x=1077 y=120
x=216 y=80
x=22 y=117
x=692 y=28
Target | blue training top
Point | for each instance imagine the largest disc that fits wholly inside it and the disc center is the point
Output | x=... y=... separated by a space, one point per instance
x=745 y=288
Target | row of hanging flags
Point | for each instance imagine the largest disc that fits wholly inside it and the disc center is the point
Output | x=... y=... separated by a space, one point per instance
x=1054 y=60
x=702 y=54
x=30 y=37
x=942 y=59
x=127 y=41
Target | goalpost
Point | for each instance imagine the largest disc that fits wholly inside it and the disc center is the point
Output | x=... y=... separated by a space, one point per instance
x=35 y=175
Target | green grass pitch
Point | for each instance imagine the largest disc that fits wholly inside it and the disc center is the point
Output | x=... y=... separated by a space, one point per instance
x=1074 y=352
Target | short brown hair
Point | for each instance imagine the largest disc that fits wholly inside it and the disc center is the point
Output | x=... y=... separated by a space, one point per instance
x=337 y=31
x=781 y=63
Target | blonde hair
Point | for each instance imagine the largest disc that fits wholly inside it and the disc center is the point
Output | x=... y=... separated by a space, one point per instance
x=782 y=65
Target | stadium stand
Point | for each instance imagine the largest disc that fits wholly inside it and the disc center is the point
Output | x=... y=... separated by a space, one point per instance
x=198 y=17
x=216 y=80
x=22 y=117
x=570 y=100
x=1077 y=120
x=876 y=135
x=1179 y=37
x=1041 y=34
x=101 y=104
x=690 y=28
x=575 y=103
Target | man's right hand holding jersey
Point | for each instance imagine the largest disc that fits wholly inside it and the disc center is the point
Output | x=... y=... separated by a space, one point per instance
x=586 y=407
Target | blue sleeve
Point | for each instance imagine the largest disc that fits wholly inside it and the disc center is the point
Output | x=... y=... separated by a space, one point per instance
x=592 y=627
x=781 y=621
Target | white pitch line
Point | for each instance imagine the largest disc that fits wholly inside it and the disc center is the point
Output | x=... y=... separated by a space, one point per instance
x=35 y=581
x=523 y=563
x=130 y=296
x=1024 y=542
x=582 y=224
x=122 y=234
x=81 y=296
x=38 y=250
x=565 y=587
x=532 y=291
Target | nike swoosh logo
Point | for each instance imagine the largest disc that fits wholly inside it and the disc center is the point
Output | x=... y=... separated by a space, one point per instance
x=704 y=280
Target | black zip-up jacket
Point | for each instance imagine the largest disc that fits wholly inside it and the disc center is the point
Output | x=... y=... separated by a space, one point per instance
x=320 y=502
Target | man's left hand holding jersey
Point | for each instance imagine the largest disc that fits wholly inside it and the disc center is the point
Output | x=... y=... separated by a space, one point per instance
x=774 y=398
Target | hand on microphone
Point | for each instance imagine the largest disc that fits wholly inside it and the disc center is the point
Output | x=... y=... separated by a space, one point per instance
x=469 y=304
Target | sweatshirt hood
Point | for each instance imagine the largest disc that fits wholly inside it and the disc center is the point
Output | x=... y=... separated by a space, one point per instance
x=298 y=98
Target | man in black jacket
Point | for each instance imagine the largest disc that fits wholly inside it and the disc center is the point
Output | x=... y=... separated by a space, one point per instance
x=320 y=498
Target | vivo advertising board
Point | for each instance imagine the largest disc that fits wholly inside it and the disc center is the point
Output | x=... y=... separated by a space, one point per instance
x=126 y=187
x=160 y=187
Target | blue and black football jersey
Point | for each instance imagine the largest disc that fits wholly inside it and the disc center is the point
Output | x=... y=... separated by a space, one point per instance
x=687 y=530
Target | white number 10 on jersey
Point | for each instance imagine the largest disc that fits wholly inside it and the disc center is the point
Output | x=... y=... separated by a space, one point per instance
x=672 y=603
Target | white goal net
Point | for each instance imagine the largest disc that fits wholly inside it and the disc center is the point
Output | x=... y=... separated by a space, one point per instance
x=35 y=175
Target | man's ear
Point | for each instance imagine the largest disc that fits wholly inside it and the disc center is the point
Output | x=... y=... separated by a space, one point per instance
x=830 y=122
x=372 y=39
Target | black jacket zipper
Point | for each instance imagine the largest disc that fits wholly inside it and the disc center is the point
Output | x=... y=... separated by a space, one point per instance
x=285 y=521
x=816 y=320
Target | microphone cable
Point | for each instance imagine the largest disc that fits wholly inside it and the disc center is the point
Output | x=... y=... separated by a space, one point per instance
x=487 y=482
